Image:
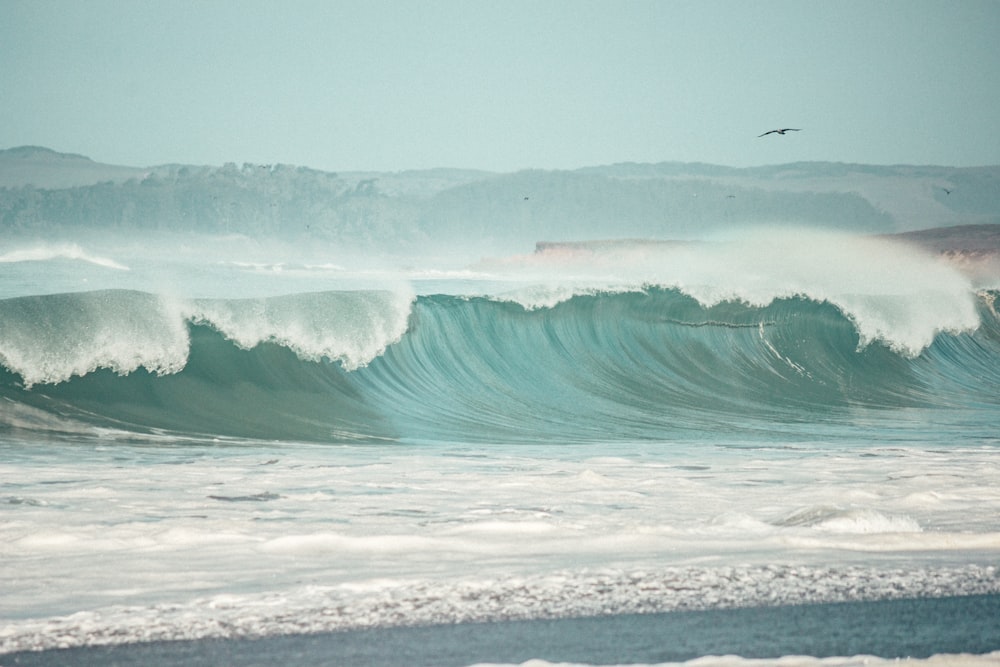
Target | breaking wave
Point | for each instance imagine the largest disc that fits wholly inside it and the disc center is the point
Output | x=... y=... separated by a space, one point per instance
x=64 y=251
x=588 y=365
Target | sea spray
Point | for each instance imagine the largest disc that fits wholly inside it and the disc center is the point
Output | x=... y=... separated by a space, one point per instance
x=49 y=339
x=894 y=293
x=44 y=252
x=349 y=327
x=346 y=365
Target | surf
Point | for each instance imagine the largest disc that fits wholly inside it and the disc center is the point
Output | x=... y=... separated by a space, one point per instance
x=378 y=365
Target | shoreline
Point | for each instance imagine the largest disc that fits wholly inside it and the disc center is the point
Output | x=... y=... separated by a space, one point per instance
x=916 y=628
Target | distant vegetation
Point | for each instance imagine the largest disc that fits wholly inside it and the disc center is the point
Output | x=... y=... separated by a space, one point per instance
x=668 y=200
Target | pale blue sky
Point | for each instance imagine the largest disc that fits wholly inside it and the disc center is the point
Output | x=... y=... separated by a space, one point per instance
x=503 y=84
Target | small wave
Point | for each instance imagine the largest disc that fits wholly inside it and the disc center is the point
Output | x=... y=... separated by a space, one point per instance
x=562 y=594
x=252 y=498
x=853 y=521
x=72 y=251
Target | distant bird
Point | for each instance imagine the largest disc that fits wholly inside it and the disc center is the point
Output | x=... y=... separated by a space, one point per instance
x=946 y=191
x=781 y=131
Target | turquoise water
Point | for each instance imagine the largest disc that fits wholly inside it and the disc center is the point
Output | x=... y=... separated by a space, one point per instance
x=863 y=631
x=201 y=444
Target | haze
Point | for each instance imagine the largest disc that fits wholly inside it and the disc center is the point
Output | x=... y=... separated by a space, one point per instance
x=502 y=85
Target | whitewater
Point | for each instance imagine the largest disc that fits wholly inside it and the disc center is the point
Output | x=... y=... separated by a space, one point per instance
x=224 y=438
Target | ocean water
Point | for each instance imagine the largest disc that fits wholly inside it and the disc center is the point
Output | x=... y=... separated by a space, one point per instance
x=214 y=438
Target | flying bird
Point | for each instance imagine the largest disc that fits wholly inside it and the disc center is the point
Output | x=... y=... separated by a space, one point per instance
x=781 y=131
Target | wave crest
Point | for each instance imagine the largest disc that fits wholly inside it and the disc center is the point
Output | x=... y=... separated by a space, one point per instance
x=349 y=365
x=53 y=338
x=47 y=252
x=349 y=327
x=894 y=293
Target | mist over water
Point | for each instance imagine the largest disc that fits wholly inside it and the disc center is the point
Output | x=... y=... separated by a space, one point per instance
x=229 y=435
x=625 y=339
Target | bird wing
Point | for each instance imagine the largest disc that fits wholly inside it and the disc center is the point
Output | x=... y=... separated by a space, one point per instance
x=781 y=131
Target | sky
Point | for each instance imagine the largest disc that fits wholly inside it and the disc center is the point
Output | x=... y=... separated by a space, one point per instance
x=502 y=85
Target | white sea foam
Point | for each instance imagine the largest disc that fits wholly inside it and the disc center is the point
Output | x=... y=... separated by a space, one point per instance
x=49 y=342
x=863 y=521
x=892 y=292
x=47 y=252
x=117 y=542
x=410 y=602
x=350 y=327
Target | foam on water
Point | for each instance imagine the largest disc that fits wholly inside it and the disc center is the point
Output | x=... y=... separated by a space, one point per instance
x=838 y=520
x=570 y=594
x=51 y=339
x=772 y=420
x=217 y=541
x=892 y=292
x=350 y=327
x=45 y=252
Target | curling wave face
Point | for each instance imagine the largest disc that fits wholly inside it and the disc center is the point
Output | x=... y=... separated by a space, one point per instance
x=359 y=365
x=593 y=428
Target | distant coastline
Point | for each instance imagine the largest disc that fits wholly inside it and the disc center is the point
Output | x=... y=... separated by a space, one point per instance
x=41 y=189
